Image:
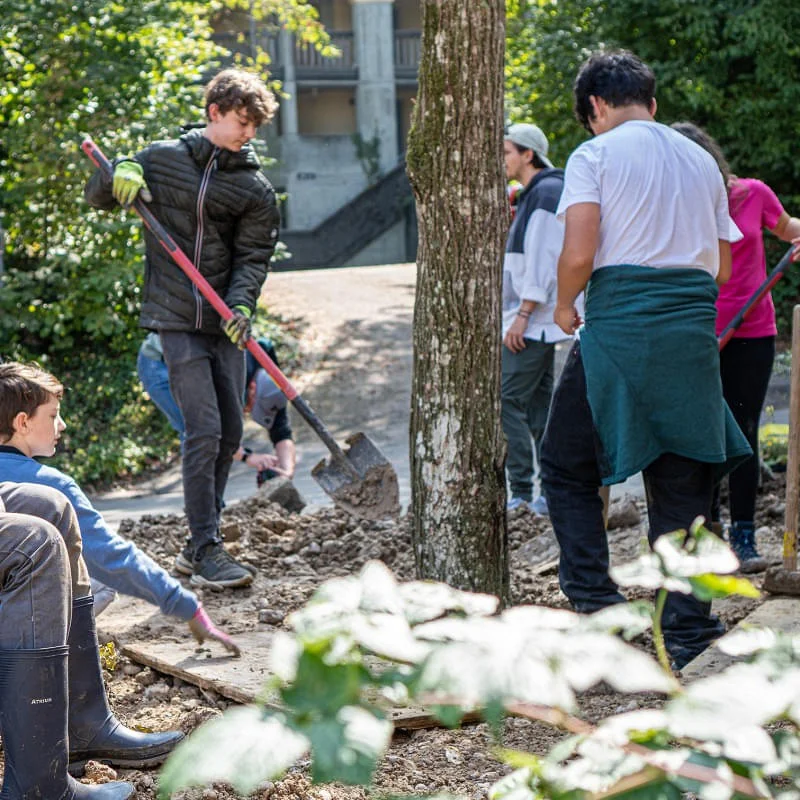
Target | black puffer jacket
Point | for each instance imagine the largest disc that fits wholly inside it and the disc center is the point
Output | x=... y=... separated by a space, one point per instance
x=222 y=213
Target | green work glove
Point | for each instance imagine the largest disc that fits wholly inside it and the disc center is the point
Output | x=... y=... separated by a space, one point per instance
x=128 y=182
x=237 y=328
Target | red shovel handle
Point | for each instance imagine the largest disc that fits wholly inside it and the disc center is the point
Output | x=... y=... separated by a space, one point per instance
x=184 y=262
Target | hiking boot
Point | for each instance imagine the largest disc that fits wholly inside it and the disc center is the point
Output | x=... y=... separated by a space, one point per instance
x=184 y=560
x=217 y=569
x=742 y=539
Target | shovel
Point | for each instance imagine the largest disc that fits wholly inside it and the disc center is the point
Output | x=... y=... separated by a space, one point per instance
x=769 y=282
x=360 y=480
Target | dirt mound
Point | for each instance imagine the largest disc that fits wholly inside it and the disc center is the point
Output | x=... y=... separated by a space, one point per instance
x=293 y=554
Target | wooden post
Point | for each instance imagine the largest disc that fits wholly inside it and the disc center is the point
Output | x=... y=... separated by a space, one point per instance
x=792 y=465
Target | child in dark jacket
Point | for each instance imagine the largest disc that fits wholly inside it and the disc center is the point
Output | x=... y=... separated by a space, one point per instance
x=208 y=190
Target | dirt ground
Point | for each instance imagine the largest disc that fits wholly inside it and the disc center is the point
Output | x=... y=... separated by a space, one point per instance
x=293 y=554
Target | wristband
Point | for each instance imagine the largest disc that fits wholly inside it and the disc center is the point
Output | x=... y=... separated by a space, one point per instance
x=246 y=451
x=524 y=314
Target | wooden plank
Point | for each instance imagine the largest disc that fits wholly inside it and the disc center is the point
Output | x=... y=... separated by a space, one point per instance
x=170 y=649
x=779 y=613
x=239 y=679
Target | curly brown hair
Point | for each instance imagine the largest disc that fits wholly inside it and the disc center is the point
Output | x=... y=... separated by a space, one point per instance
x=23 y=388
x=235 y=89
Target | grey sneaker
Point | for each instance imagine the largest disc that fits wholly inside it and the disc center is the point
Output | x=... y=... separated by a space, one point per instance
x=217 y=569
x=183 y=561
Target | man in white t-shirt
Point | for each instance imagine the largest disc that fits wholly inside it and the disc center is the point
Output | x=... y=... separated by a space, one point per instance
x=647 y=228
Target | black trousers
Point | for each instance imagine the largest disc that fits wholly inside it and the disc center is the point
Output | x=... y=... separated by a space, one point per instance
x=678 y=490
x=745 y=367
x=206 y=376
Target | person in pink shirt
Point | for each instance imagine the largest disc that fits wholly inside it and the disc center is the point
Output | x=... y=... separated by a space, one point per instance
x=746 y=361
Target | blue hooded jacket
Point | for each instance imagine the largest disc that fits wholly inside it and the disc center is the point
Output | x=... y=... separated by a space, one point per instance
x=114 y=561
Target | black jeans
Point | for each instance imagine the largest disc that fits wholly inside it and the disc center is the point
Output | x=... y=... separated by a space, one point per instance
x=206 y=376
x=678 y=490
x=745 y=366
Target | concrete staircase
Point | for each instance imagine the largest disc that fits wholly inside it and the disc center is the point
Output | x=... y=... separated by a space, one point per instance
x=349 y=230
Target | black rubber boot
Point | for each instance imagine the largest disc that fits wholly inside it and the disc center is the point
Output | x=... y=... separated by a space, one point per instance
x=33 y=718
x=742 y=539
x=94 y=731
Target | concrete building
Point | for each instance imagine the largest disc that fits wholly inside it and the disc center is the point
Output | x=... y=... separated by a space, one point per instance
x=340 y=134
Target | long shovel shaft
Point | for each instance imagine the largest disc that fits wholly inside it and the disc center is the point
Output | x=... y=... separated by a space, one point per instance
x=766 y=286
x=207 y=290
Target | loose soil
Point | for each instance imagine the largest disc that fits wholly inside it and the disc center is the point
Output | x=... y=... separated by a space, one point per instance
x=293 y=555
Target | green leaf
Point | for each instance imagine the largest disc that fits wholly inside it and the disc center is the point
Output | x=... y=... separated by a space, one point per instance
x=450 y=716
x=516 y=786
x=244 y=747
x=320 y=689
x=710 y=587
x=628 y=619
x=697 y=554
x=347 y=747
x=647 y=573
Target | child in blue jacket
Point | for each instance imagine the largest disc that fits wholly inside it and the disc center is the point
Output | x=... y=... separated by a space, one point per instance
x=30 y=427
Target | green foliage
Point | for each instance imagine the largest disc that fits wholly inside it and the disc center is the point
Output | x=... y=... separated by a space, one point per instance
x=731 y=66
x=364 y=641
x=113 y=430
x=126 y=74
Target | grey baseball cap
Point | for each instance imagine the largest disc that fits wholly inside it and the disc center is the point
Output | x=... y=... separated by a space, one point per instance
x=531 y=138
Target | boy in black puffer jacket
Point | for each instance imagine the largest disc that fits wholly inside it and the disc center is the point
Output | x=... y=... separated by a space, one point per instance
x=208 y=190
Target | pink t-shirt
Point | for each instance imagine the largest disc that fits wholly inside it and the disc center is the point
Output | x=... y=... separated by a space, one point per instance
x=753 y=206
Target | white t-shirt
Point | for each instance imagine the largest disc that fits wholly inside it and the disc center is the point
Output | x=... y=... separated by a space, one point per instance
x=662 y=198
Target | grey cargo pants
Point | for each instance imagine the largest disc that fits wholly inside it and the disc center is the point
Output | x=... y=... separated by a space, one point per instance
x=41 y=566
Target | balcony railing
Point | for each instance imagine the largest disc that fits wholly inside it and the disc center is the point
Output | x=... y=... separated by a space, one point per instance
x=311 y=65
x=406 y=53
x=307 y=59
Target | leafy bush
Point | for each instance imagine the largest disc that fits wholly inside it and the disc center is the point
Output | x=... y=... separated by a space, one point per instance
x=710 y=738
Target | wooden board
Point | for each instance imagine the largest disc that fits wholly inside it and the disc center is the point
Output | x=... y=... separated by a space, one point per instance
x=172 y=651
x=779 y=613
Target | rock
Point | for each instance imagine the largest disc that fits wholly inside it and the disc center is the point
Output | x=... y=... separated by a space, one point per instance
x=283 y=492
x=146 y=677
x=623 y=513
x=540 y=549
x=269 y=616
x=158 y=691
x=230 y=531
x=131 y=669
x=96 y=772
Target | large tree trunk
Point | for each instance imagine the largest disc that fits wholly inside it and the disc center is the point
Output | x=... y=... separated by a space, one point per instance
x=455 y=166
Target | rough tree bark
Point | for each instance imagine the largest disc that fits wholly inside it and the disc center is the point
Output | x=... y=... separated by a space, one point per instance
x=455 y=165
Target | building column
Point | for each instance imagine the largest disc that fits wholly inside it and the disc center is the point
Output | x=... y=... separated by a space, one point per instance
x=376 y=101
x=288 y=104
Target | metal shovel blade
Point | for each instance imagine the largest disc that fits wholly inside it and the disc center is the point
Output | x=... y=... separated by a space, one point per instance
x=365 y=484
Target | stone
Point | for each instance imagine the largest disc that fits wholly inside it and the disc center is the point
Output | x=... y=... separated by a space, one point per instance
x=623 y=513
x=230 y=531
x=283 y=491
x=540 y=549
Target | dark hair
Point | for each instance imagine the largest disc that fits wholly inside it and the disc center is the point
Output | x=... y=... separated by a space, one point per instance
x=23 y=388
x=618 y=77
x=699 y=136
x=536 y=162
x=234 y=89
